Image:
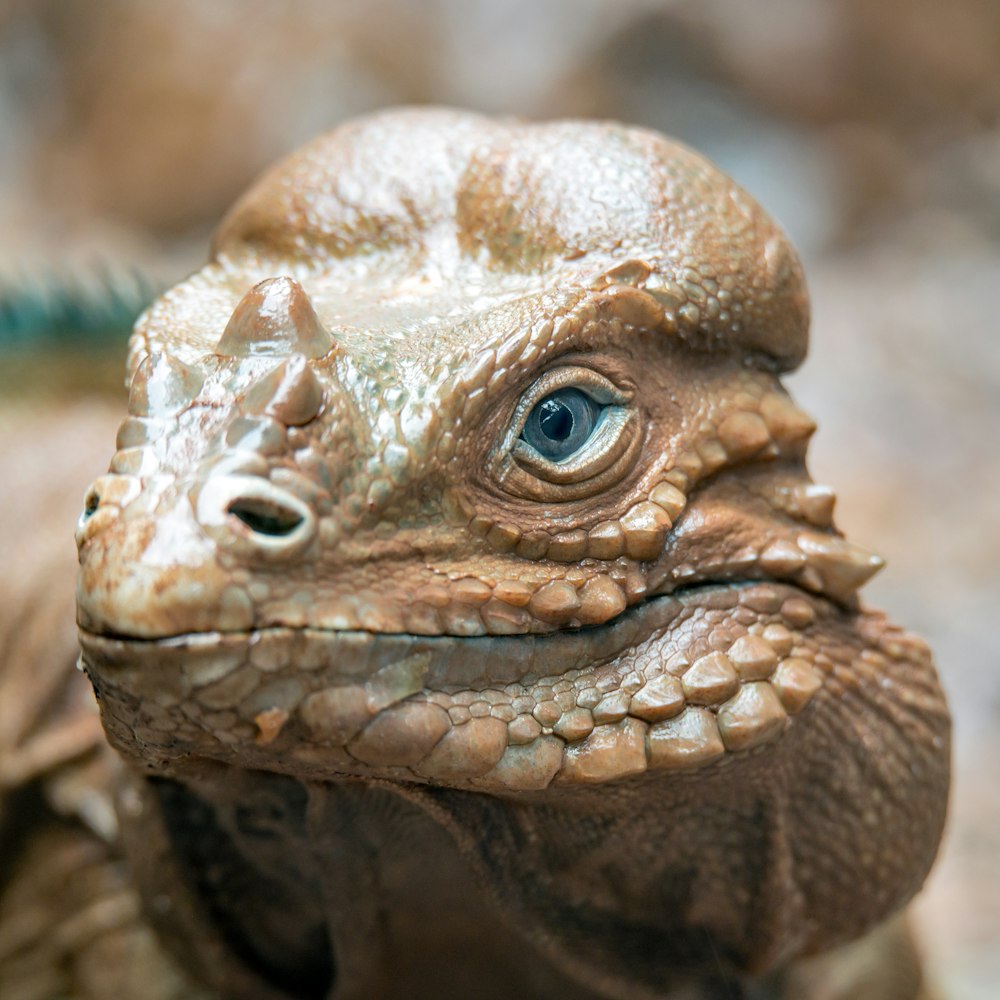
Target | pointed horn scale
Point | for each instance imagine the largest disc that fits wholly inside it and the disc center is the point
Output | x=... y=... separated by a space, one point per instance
x=275 y=318
x=162 y=386
x=291 y=393
x=842 y=566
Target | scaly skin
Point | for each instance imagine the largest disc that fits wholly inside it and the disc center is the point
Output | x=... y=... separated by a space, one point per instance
x=404 y=696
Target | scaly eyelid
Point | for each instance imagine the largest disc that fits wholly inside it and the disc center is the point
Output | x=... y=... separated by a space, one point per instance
x=608 y=452
x=595 y=385
x=589 y=460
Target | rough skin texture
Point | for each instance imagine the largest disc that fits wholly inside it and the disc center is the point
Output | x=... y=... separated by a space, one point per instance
x=413 y=708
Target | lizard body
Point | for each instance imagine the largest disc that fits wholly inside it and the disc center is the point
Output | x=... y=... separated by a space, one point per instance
x=461 y=600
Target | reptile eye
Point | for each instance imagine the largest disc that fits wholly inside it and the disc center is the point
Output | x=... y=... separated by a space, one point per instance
x=572 y=434
x=561 y=424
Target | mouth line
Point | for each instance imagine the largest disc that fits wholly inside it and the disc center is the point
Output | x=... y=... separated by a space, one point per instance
x=454 y=659
x=681 y=594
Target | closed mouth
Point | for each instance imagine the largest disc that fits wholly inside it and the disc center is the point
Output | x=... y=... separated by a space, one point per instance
x=675 y=681
x=453 y=659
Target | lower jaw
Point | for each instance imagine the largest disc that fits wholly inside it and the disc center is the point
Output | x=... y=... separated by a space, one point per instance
x=681 y=682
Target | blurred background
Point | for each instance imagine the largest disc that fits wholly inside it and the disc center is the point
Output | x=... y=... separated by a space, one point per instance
x=870 y=129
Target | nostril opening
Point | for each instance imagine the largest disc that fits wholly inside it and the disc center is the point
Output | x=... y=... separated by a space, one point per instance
x=253 y=518
x=91 y=503
x=265 y=517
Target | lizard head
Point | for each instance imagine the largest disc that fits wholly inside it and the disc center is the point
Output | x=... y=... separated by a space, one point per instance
x=465 y=462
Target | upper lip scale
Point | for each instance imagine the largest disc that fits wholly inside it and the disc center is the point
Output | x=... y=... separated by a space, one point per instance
x=502 y=658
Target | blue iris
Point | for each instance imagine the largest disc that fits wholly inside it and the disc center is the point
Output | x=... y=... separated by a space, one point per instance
x=561 y=424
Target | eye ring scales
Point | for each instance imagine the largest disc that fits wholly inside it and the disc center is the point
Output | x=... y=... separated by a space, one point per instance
x=572 y=433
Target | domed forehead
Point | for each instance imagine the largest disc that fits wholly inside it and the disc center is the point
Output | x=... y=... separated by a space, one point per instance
x=416 y=233
x=528 y=197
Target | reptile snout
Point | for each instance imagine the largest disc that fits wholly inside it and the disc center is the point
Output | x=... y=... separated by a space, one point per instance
x=148 y=566
x=163 y=558
x=254 y=519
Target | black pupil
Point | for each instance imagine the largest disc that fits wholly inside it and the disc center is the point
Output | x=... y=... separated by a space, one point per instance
x=562 y=423
x=555 y=419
